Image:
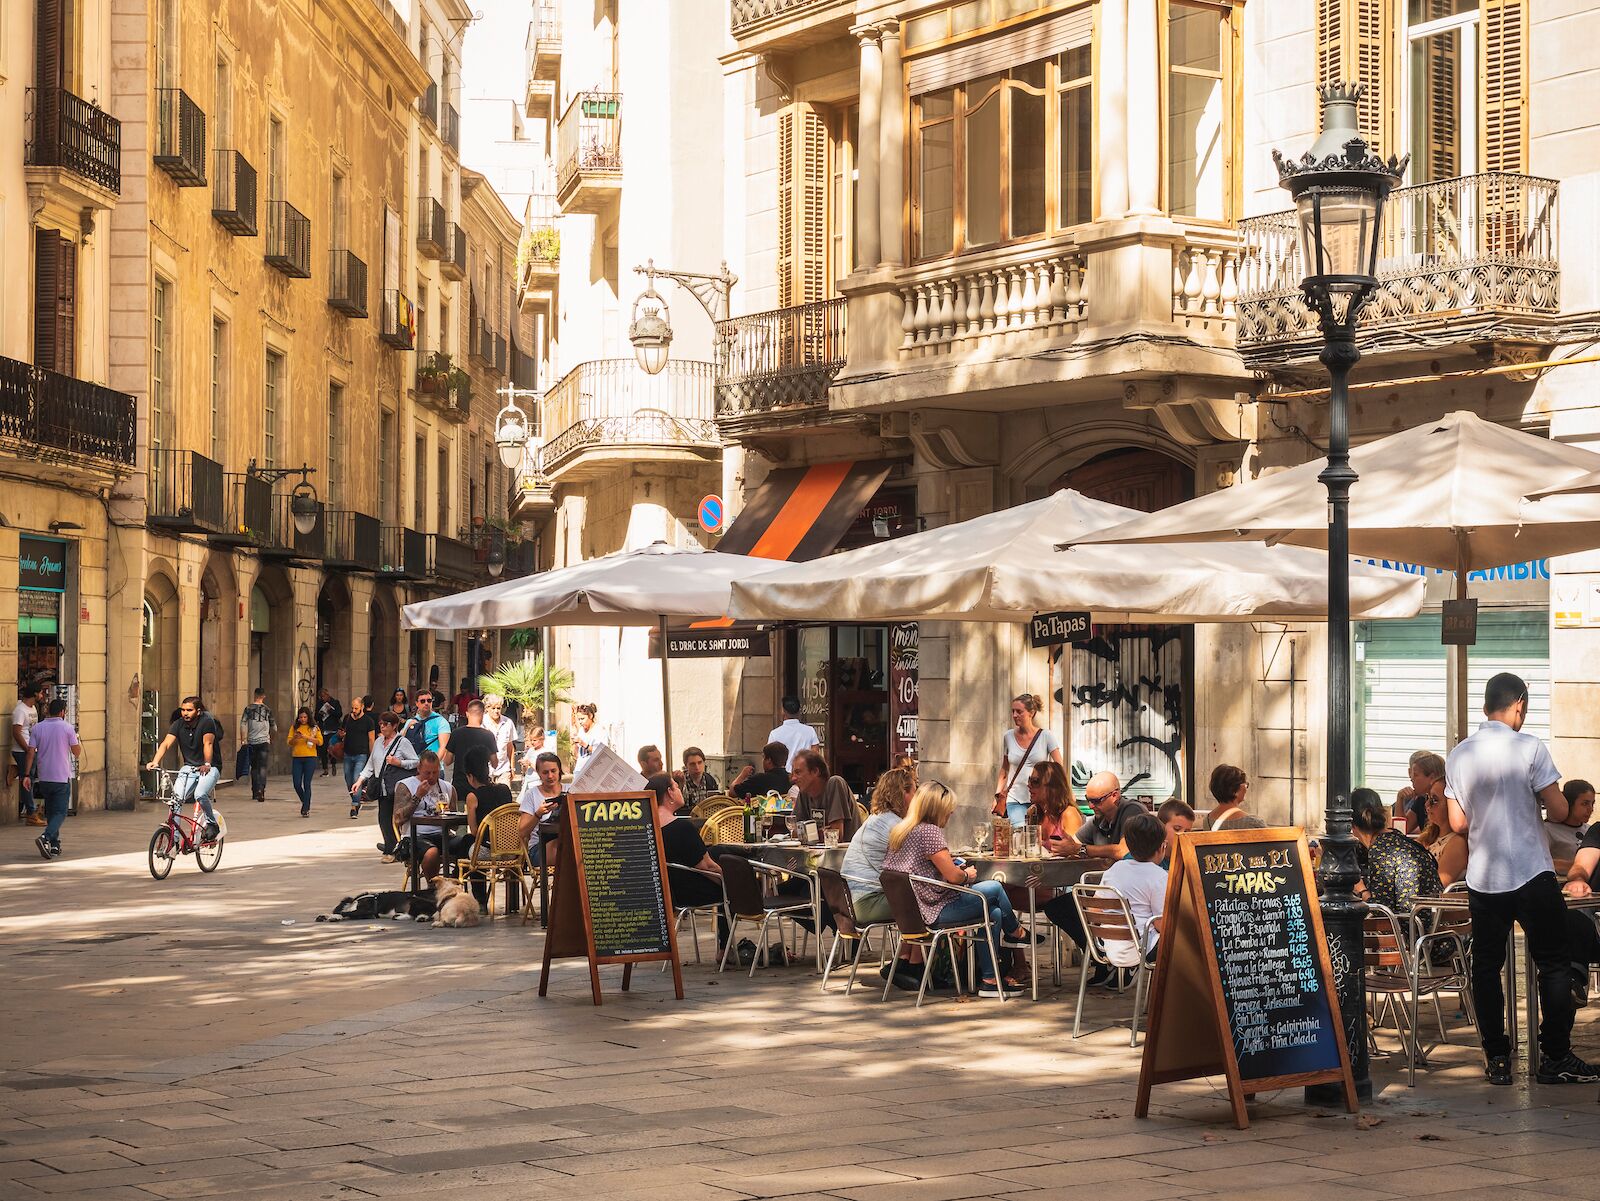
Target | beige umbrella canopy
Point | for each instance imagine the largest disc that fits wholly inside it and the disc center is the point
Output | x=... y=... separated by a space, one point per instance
x=1001 y=568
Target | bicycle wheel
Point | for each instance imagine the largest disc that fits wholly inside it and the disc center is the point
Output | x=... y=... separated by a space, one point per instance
x=162 y=853
x=209 y=854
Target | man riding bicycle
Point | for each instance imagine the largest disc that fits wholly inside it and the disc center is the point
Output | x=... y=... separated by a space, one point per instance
x=196 y=735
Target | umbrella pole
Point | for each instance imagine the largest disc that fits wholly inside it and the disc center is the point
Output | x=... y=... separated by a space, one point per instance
x=1459 y=652
x=666 y=697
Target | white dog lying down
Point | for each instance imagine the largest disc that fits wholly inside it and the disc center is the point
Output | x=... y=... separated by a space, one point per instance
x=457 y=907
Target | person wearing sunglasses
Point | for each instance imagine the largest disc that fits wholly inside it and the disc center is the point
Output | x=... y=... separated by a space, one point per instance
x=1101 y=836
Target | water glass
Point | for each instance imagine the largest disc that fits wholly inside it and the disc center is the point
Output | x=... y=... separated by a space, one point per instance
x=830 y=838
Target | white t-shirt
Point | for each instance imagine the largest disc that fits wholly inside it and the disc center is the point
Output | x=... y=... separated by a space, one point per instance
x=1145 y=887
x=529 y=802
x=24 y=715
x=504 y=735
x=1496 y=775
x=795 y=735
x=429 y=802
x=1043 y=745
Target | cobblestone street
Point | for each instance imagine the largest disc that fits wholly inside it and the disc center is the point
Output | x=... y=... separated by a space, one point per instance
x=204 y=1036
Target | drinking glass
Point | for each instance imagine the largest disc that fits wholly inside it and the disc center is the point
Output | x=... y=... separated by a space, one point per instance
x=978 y=831
x=830 y=838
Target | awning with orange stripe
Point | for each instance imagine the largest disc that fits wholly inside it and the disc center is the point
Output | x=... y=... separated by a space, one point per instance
x=800 y=513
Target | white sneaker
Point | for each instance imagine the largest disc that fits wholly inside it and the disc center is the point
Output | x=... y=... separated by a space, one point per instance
x=991 y=988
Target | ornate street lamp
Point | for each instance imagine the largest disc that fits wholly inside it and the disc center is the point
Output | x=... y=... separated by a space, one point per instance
x=304 y=506
x=651 y=329
x=510 y=435
x=1339 y=188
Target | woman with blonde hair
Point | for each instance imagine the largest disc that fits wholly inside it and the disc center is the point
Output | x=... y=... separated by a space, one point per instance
x=917 y=847
x=863 y=859
x=1426 y=773
x=1023 y=745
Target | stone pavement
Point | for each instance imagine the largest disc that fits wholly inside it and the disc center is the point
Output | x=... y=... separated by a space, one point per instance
x=182 y=1039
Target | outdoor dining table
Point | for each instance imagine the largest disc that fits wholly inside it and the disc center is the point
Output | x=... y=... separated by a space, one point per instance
x=445 y=822
x=1456 y=903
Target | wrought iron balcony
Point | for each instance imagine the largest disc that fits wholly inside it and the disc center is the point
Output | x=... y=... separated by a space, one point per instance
x=589 y=139
x=353 y=541
x=428 y=104
x=453 y=263
x=776 y=366
x=247 y=516
x=233 y=193
x=71 y=134
x=284 y=541
x=544 y=43
x=347 y=283
x=502 y=354
x=397 y=325
x=450 y=127
x=403 y=553
x=450 y=559
x=1455 y=253
x=448 y=388
x=433 y=233
x=288 y=239
x=186 y=493
x=521 y=558
x=46 y=415
x=180 y=138
x=612 y=408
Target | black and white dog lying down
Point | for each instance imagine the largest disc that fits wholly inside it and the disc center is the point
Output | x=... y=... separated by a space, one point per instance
x=381 y=906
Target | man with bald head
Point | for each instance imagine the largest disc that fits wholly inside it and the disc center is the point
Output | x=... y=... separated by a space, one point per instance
x=1099 y=838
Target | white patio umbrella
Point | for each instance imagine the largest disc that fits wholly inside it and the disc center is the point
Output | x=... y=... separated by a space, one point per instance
x=1446 y=494
x=645 y=587
x=1002 y=567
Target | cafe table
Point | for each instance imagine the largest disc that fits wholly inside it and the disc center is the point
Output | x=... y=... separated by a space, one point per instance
x=1455 y=903
x=443 y=822
x=1034 y=874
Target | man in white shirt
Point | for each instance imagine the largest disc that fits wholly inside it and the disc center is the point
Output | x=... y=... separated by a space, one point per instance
x=23 y=718
x=420 y=796
x=1142 y=881
x=794 y=733
x=1495 y=781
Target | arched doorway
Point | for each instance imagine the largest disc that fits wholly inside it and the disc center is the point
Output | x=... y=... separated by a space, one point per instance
x=158 y=665
x=219 y=611
x=1132 y=686
x=333 y=639
x=273 y=650
x=383 y=654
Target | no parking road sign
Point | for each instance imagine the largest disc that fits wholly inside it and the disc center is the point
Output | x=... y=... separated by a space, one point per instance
x=711 y=514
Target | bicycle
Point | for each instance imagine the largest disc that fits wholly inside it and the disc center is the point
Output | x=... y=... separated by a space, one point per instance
x=180 y=834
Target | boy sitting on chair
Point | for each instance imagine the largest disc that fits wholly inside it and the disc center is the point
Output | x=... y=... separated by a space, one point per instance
x=1142 y=880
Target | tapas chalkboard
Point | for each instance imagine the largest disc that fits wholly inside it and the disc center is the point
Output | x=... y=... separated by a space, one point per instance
x=612 y=902
x=1243 y=985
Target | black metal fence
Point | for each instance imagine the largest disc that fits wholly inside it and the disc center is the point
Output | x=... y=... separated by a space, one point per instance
x=50 y=412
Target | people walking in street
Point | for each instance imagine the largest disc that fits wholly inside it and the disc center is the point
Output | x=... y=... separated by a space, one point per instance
x=400 y=704
x=458 y=704
x=587 y=737
x=793 y=732
x=329 y=714
x=257 y=727
x=427 y=730
x=196 y=739
x=358 y=730
x=305 y=741
x=1024 y=744
x=1495 y=781
x=52 y=746
x=23 y=717
x=505 y=737
x=392 y=760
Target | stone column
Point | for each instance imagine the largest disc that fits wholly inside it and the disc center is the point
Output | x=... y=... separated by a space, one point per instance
x=892 y=147
x=1111 y=104
x=867 y=148
x=1143 y=83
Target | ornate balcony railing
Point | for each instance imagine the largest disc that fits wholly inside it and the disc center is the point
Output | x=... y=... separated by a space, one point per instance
x=779 y=361
x=1205 y=280
x=288 y=239
x=347 y=283
x=613 y=402
x=743 y=14
x=186 y=492
x=428 y=104
x=180 y=138
x=1473 y=244
x=950 y=307
x=42 y=412
x=433 y=232
x=403 y=553
x=397 y=324
x=589 y=138
x=353 y=541
x=233 y=193
x=247 y=514
x=450 y=127
x=453 y=263
x=70 y=133
x=543 y=45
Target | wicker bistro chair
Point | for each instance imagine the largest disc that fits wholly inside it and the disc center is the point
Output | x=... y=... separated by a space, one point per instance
x=715 y=803
x=1106 y=918
x=909 y=927
x=691 y=912
x=499 y=853
x=724 y=826
x=741 y=885
x=1399 y=971
x=836 y=892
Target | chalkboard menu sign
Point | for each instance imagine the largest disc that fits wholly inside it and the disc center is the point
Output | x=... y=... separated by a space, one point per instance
x=1243 y=986
x=612 y=902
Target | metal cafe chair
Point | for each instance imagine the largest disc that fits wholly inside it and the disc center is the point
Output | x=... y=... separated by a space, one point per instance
x=1106 y=918
x=909 y=927
x=836 y=892
x=1396 y=972
x=691 y=913
x=746 y=904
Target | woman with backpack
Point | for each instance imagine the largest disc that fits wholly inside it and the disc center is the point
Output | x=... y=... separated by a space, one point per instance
x=393 y=759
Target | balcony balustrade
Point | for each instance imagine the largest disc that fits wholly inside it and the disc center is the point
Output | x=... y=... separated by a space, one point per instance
x=951 y=307
x=453 y=263
x=288 y=240
x=747 y=15
x=428 y=104
x=353 y=541
x=589 y=139
x=71 y=134
x=347 y=283
x=451 y=559
x=397 y=325
x=613 y=407
x=233 y=193
x=180 y=138
x=247 y=513
x=450 y=128
x=403 y=553
x=433 y=232
x=46 y=415
x=775 y=367
x=186 y=493
x=544 y=43
x=284 y=541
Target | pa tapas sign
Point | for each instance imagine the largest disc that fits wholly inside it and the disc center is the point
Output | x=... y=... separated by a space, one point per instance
x=1053 y=629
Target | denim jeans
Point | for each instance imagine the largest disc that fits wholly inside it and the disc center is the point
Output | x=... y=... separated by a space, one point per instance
x=353 y=765
x=964 y=908
x=1017 y=812
x=55 y=797
x=304 y=769
x=258 y=769
x=199 y=783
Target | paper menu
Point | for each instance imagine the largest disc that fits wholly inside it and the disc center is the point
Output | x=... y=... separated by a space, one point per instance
x=606 y=771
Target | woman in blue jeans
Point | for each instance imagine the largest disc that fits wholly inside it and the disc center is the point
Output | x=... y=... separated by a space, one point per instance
x=305 y=740
x=917 y=847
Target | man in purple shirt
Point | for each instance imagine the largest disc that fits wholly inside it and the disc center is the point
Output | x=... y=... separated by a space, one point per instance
x=52 y=746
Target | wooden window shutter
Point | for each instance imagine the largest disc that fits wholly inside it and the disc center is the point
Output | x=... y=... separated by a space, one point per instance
x=802 y=206
x=49 y=64
x=55 y=301
x=67 y=308
x=786 y=189
x=1353 y=47
x=1503 y=86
